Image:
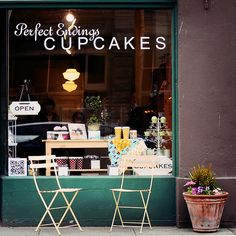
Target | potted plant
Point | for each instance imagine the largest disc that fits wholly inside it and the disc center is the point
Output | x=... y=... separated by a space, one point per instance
x=93 y=104
x=204 y=199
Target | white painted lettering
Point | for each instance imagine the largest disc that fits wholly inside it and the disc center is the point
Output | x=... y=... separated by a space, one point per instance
x=126 y=43
x=160 y=43
x=143 y=43
x=46 y=45
x=63 y=41
x=114 y=43
x=82 y=41
x=95 y=43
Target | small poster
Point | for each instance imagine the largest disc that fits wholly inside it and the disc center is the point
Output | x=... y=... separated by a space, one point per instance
x=77 y=131
x=17 y=166
x=94 y=134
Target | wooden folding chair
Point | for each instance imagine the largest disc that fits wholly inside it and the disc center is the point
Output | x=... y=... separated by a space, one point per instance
x=37 y=163
x=144 y=165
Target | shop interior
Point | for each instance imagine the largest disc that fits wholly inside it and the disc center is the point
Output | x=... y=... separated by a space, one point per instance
x=117 y=60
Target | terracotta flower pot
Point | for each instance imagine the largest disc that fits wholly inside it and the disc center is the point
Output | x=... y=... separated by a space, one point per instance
x=205 y=211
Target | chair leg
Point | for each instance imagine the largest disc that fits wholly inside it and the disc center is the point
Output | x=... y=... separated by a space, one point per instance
x=117 y=210
x=69 y=209
x=145 y=213
x=49 y=213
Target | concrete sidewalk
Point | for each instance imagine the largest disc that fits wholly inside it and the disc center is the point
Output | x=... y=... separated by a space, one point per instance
x=104 y=231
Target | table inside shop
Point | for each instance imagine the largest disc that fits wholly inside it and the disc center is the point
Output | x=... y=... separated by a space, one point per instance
x=90 y=143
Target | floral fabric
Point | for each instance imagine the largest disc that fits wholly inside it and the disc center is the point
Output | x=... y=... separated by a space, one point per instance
x=117 y=148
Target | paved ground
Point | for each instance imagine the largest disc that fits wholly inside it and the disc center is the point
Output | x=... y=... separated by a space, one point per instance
x=103 y=231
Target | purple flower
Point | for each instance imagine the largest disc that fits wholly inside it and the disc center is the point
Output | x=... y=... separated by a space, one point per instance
x=194 y=190
x=200 y=190
x=189 y=183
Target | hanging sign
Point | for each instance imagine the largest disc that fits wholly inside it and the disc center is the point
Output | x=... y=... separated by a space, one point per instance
x=25 y=108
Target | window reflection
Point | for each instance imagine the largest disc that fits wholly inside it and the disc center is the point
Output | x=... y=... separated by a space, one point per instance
x=129 y=66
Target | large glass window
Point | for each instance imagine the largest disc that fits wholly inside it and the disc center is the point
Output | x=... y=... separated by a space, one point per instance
x=123 y=56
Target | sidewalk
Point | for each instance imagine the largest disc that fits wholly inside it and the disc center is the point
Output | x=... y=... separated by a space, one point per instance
x=104 y=231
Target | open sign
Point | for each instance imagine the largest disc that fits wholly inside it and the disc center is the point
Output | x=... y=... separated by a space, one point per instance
x=25 y=108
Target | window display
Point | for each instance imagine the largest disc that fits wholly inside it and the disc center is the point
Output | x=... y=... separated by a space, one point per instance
x=118 y=81
x=12 y=144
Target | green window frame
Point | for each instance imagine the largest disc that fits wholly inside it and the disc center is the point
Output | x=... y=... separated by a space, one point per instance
x=83 y=4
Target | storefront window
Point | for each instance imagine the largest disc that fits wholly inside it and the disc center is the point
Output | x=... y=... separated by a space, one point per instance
x=122 y=56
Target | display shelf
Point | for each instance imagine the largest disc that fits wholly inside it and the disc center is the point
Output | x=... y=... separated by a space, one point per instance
x=158 y=133
x=51 y=144
x=87 y=170
x=92 y=143
x=12 y=144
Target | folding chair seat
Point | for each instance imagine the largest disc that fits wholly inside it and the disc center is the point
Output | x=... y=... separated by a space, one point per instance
x=144 y=165
x=43 y=162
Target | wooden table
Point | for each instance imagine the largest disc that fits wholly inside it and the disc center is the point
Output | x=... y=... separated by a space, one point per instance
x=90 y=143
